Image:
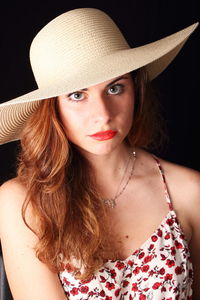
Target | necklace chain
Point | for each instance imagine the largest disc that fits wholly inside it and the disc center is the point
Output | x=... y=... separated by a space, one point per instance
x=112 y=202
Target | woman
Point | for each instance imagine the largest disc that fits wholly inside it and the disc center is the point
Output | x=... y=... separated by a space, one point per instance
x=89 y=203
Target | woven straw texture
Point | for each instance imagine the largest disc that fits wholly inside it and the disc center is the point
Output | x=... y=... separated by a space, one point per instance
x=78 y=49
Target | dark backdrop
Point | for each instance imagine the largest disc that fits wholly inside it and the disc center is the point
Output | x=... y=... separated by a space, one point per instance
x=141 y=22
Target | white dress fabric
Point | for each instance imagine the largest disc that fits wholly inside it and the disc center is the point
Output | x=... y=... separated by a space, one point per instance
x=161 y=269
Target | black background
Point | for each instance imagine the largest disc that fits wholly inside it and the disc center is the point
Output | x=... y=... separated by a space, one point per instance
x=141 y=22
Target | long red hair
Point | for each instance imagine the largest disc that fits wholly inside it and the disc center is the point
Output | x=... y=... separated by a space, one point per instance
x=71 y=219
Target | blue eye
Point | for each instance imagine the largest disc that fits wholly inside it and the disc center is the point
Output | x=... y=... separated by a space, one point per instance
x=77 y=96
x=116 y=89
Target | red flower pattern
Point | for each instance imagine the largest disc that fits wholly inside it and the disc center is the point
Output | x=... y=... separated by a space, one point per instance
x=174 y=259
x=136 y=270
x=167 y=236
x=74 y=291
x=84 y=289
x=156 y=270
x=162 y=271
x=117 y=292
x=134 y=287
x=156 y=285
x=145 y=268
x=113 y=273
x=154 y=238
x=142 y=297
x=102 y=293
x=119 y=265
x=168 y=277
x=178 y=245
x=170 y=263
x=178 y=270
x=110 y=285
x=141 y=255
x=125 y=283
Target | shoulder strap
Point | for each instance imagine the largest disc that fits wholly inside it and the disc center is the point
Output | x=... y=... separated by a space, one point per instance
x=168 y=198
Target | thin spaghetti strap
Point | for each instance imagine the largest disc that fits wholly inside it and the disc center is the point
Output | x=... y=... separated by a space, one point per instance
x=168 y=198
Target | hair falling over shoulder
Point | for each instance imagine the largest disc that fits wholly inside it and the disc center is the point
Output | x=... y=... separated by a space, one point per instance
x=71 y=218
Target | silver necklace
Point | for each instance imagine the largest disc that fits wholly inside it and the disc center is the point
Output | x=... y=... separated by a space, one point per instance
x=112 y=201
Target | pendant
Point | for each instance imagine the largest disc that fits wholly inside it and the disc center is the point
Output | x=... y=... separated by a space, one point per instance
x=110 y=202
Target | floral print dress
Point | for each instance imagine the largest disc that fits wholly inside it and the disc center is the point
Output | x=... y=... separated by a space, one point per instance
x=161 y=269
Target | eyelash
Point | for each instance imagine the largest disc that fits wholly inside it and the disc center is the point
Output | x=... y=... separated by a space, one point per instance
x=76 y=101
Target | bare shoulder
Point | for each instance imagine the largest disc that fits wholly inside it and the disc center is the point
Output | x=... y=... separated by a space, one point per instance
x=12 y=196
x=184 y=187
x=183 y=183
x=18 y=246
x=12 y=186
x=183 y=180
x=11 y=192
x=180 y=169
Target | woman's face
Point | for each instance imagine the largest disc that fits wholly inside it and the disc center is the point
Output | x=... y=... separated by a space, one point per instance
x=97 y=119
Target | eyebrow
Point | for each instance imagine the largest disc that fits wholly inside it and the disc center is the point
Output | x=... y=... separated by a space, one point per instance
x=109 y=84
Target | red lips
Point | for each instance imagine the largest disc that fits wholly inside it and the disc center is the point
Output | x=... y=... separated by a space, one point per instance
x=104 y=135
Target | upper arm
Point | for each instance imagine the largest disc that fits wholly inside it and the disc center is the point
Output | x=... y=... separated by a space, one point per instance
x=194 y=218
x=28 y=277
x=184 y=187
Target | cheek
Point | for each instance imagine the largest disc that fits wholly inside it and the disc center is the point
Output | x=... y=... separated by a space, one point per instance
x=72 y=121
x=128 y=108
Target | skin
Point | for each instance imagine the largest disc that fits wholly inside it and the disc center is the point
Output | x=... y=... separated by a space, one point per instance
x=132 y=221
x=100 y=108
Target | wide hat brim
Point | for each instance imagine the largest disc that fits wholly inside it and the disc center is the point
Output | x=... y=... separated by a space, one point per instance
x=155 y=57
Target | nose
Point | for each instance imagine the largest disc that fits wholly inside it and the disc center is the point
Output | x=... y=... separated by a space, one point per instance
x=102 y=109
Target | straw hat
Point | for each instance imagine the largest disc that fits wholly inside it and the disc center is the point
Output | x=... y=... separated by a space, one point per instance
x=78 y=49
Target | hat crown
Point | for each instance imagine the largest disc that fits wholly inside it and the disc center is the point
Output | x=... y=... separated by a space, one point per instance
x=78 y=49
x=73 y=40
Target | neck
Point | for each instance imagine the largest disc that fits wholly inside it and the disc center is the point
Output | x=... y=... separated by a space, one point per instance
x=110 y=165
